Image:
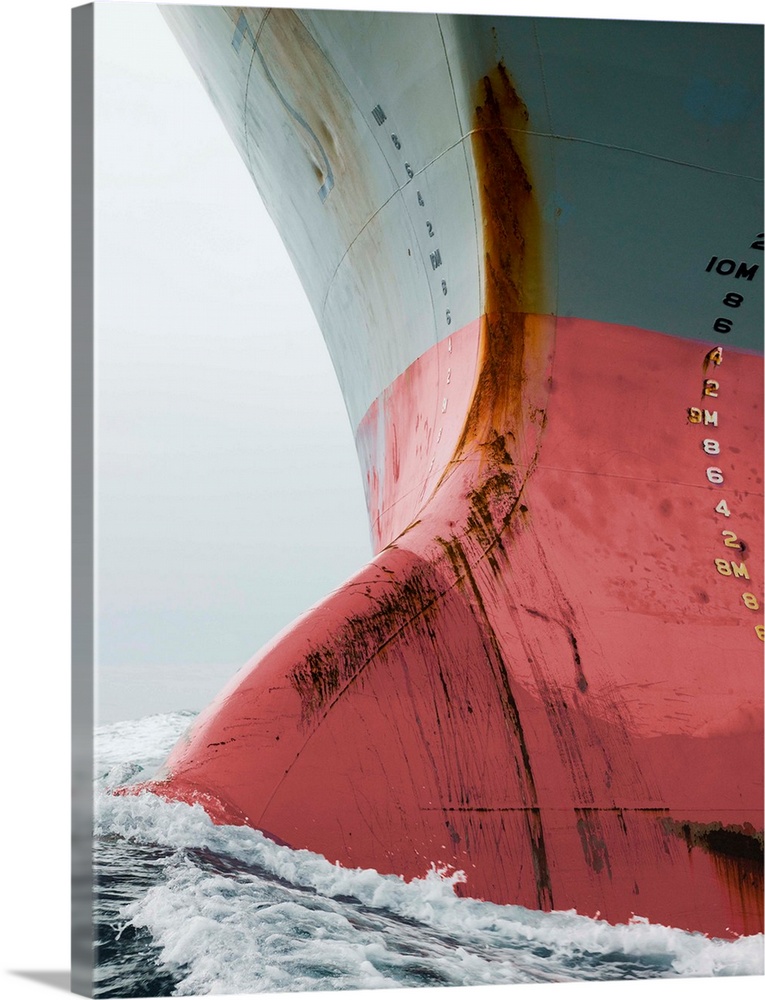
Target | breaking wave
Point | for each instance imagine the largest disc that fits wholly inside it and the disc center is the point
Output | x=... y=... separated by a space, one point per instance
x=187 y=907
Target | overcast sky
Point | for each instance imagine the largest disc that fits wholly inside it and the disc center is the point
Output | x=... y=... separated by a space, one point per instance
x=229 y=496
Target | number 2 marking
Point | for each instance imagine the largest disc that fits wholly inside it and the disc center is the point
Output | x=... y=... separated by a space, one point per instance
x=731 y=539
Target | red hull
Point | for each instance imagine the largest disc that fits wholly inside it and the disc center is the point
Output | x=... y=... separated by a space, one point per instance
x=550 y=675
x=526 y=684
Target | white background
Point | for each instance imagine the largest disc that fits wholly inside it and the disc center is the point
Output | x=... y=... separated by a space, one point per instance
x=228 y=493
x=34 y=395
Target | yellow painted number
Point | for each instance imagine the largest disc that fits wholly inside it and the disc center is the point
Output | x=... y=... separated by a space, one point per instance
x=696 y=415
x=725 y=568
x=760 y=630
x=722 y=508
x=711 y=387
x=731 y=540
x=715 y=356
x=751 y=601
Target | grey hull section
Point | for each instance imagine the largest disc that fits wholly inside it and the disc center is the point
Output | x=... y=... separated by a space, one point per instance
x=356 y=127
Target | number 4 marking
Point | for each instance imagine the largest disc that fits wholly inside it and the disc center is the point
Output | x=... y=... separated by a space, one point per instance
x=722 y=508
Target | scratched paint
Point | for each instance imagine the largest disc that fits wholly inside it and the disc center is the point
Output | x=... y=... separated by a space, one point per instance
x=448 y=642
x=539 y=679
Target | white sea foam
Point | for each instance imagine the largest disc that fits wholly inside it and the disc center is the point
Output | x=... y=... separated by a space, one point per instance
x=141 y=743
x=239 y=913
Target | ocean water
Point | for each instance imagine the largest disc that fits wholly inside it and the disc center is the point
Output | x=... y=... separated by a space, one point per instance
x=187 y=908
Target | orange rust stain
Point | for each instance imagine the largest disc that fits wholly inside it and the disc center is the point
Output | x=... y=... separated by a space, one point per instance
x=305 y=78
x=513 y=345
x=737 y=852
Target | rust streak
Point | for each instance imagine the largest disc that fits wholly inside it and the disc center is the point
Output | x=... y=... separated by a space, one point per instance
x=533 y=816
x=512 y=259
x=737 y=852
